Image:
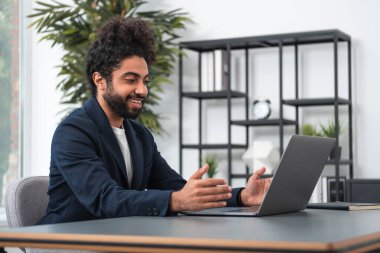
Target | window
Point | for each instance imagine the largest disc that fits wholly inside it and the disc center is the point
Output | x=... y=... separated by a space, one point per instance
x=9 y=95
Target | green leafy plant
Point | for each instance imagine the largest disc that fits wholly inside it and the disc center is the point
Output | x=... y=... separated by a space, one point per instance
x=213 y=163
x=329 y=129
x=74 y=26
x=311 y=130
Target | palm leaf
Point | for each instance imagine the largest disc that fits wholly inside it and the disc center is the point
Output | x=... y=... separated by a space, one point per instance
x=73 y=27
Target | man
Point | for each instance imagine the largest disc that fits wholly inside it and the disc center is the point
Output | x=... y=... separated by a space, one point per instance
x=104 y=164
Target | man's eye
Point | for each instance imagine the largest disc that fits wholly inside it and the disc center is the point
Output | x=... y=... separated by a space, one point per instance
x=131 y=81
x=146 y=82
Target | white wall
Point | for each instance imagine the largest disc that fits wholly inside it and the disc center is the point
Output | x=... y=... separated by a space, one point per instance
x=248 y=18
x=225 y=19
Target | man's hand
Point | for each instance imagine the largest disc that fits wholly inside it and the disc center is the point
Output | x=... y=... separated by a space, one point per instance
x=199 y=194
x=255 y=189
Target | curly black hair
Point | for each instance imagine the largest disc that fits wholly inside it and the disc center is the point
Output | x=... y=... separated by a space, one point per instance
x=117 y=40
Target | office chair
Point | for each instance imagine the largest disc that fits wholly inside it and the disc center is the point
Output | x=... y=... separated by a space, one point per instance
x=25 y=203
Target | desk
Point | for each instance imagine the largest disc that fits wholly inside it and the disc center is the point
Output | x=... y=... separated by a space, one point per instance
x=309 y=230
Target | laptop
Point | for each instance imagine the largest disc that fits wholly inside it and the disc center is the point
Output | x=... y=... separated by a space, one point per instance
x=293 y=182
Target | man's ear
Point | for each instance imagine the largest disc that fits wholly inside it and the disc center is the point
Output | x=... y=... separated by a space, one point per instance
x=99 y=81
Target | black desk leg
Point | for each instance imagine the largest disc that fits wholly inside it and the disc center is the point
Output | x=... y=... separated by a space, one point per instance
x=2 y=250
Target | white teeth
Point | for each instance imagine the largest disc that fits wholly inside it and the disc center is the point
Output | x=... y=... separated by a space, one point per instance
x=136 y=101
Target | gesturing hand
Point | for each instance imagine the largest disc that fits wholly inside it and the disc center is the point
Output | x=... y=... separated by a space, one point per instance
x=255 y=189
x=199 y=194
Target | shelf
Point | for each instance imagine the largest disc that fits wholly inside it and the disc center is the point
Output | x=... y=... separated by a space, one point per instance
x=292 y=42
x=247 y=176
x=263 y=122
x=299 y=38
x=213 y=94
x=214 y=146
x=315 y=101
x=240 y=176
x=342 y=162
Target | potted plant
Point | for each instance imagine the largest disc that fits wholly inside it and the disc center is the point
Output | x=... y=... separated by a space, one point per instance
x=310 y=130
x=329 y=130
x=73 y=27
x=213 y=163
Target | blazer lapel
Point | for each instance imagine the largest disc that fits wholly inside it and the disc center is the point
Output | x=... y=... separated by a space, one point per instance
x=106 y=133
x=137 y=155
x=113 y=147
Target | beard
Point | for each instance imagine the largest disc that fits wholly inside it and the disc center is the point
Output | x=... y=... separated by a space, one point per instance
x=119 y=104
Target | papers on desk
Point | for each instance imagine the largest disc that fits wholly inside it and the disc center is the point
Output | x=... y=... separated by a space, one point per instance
x=348 y=206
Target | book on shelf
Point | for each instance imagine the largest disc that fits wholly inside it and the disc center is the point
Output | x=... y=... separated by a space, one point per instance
x=324 y=190
x=347 y=206
x=329 y=190
x=220 y=70
x=207 y=68
x=214 y=70
x=237 y=77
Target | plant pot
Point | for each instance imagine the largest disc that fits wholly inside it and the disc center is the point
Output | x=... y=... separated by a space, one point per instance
x=335 y=153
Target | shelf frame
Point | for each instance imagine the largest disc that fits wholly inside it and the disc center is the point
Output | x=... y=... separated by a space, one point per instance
x=265 y=41
x=214 y=146
x=316 y=101
x=263 y=122
x=280 y=41
x=223 y=94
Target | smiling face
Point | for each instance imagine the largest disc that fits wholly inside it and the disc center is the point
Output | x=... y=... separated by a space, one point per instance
x=124 y=95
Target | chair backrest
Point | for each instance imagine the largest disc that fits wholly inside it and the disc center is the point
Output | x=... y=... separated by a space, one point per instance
x=26 y=201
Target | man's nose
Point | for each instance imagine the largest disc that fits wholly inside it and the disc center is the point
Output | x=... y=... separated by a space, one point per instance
x=141 y=89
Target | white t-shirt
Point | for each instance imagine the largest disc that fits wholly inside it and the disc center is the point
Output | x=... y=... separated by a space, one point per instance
x=123 y=143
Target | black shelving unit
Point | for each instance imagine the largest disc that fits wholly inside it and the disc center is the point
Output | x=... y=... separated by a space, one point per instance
x=279 y=41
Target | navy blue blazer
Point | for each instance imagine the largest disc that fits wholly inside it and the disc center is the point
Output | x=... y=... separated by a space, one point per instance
x=88 y=178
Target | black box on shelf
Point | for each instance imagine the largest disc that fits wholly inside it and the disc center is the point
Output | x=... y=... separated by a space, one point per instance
x=331 y=190
x=363 y=190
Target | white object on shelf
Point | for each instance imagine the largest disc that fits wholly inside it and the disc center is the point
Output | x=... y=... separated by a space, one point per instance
x=220 y=62
x=262 y=154
x=207 y=71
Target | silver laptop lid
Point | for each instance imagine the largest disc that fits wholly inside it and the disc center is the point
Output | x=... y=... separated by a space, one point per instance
x=294 y=180
x=297 y=174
